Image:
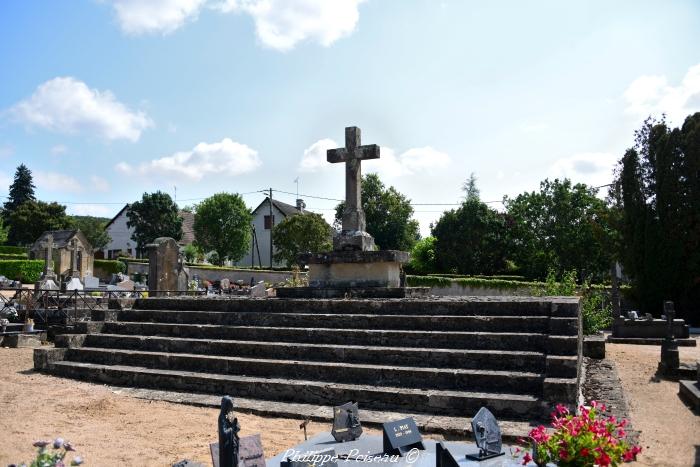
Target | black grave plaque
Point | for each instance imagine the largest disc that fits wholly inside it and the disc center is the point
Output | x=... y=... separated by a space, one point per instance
x=487 y=435
x=401 y=436
x=250 y=452
x=346 y=422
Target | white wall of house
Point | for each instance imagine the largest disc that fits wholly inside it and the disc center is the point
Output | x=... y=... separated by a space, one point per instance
x=263 y=235
x=121 y=237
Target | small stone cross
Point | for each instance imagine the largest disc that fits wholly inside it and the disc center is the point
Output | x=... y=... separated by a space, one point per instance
x=74 y=248
x=352 y=154
x=48 y=255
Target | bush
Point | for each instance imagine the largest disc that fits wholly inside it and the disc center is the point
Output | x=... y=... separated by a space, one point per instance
x=18 y=256
x=437 y=281
x=110 y=266
x=596 y=310
x=12 y=250
x=27 y=271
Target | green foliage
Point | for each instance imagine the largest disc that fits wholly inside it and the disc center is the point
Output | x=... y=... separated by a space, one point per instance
x=21 y=190
x=53 y=454
x=561 y=226
x=552 y=287
x=110 y=266
x=4 y=230
x=471 y=240
x=94 y=230
x=17 y=256
x=301 y=233
x=505 y=277
x=156 y=215
x=13 y=250
x=192 y=253
x=471 y=191
x=657 y=193
x=32 y=218
x=437 y=281
x=422 y=257
x=388 y=214
x=222 y=224
x=596 y=310
x=27 y=271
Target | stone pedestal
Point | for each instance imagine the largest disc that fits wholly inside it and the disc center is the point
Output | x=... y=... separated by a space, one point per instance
x=356 y=268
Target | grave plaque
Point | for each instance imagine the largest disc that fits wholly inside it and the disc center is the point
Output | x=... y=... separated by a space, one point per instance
x=326 y=458
x=443 y=457
x=346 y=422
x=250 y=452
x=487 y=435
x=401 y=436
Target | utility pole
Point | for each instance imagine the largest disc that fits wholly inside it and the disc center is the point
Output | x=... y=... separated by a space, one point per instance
x=272 y=225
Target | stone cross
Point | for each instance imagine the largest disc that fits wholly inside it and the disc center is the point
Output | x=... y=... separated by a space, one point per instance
x=670 y=313
x=74 y=248
x=353 y=234
x=48 y=255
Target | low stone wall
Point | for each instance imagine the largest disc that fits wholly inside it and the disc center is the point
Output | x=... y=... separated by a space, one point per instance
x=456 y=289
x=216 y=274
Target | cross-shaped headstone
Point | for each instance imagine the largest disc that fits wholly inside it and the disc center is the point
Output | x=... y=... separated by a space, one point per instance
x=74 y=248
x=670 y=313
x=48 y=255
x=352 y=154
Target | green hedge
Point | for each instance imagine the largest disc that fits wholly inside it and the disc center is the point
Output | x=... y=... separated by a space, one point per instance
x=13 y=250
x=110 y=266
x=17 y=256
x=27 y=270
x=505 y=277
x=223 y=268
x=436 y=281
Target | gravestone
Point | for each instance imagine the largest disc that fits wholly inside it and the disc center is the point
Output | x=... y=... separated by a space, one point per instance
x=126 y=284
x=74 y=249
x=163 y=268
x=401 y=436
x=258 y=290
x=74 y=284
x=92 y=282
x=670 y=360
x=48 y=277
x=487 y=435
x=250 y=452
x=225 y=284
x=346 y=422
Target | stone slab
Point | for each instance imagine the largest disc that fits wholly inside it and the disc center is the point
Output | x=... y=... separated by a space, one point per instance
x=650 y=341
x=594 y=347
x=22 y=340
x=343 y=257
x=351 y=292
x=368 y=450
x=689 y=391
x=641 y=328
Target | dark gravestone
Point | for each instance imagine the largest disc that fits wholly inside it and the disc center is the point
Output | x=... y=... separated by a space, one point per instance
x=250 y=453
x=670 y=359
x=326 y=458
x=346 y=422
x=487 y=435
x=401 y=436
x=228 y=434
x=443 y=457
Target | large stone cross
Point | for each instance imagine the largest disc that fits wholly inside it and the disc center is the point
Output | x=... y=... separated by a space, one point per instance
x=353 y=235
x=48 y=255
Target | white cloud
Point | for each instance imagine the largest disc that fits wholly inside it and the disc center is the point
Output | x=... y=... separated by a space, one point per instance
x=57 y=182
x=226 y=157
x=58 y=149
x=591 y=168
x=653 y=95
x=281 y=24
x=137 y=17
x=67 y=105
x=6 y=150
x=412 y=161
x=534 y=127
x=91 y=210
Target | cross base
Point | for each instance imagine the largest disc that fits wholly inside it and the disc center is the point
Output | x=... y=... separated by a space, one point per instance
x=353 y=240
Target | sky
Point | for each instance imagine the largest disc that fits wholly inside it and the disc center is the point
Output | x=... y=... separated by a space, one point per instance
x=107 y=99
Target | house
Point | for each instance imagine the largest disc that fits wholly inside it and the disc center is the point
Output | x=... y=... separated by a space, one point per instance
x=63 y=243
x=121 y=234
x=262 y=225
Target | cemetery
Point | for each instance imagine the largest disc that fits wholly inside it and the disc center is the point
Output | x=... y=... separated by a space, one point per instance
x=199 y=268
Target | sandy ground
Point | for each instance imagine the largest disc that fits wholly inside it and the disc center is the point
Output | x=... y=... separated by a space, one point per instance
x=109 y=429
x=670 y=432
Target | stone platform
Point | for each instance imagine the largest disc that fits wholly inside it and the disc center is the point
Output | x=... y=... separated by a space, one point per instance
x=355 y=269
x=648 y=329
x=352 y=292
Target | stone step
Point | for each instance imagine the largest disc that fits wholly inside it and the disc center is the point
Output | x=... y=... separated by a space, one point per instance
x=457 y=306
x=331 y=372
x=473 y=323
x=437 y=402
x=561 y=345
x=396 y=356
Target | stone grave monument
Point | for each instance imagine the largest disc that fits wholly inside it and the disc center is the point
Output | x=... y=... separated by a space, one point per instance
x=48 y=277
x=353 y=267
x=166 y=271
x=670 y=360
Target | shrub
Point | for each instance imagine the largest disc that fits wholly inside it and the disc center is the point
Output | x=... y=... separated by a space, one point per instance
x=19 y=256
x=13 y=250
x=110 y=266
x=596 y=310
x=27 y=270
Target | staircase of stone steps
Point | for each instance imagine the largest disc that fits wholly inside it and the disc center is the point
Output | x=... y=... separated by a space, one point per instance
x=439 y=357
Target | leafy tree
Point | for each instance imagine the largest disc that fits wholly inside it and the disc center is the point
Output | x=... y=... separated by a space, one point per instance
x=32 y=218
x=657 y=190
x=21 y=190
x=471 y=191
x=156 y=215
x=471 y=240
x=94 y=230
x=388 y=214
x=301 y=233
x=192 y=253
x=4 y=231
x=423 y=257
x=222 y=224
x=563 y=226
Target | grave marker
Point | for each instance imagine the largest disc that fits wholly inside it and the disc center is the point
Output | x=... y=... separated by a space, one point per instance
x=401 y=436
x=346 y=422
x=487 y=435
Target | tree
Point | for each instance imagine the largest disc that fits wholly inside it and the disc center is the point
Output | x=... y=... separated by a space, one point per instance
x=94 y=230
x=562 y=227
x=423 y=257
x=657 y=190
x=21 y=190
x=156 y=215
x=388 y=214
x=222 y=224
x=301 y=233
x=471 y=191
x=471 y=240
x=32 y=218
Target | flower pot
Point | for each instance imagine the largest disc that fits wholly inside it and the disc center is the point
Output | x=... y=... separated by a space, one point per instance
x=28 y=327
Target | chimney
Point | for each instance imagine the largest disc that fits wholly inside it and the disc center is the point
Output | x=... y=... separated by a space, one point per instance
x=301 y=205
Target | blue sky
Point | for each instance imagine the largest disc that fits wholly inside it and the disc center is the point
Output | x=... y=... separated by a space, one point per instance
x=104 y=100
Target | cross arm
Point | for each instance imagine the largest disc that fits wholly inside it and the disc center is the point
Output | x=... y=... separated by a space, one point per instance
x=336 y=155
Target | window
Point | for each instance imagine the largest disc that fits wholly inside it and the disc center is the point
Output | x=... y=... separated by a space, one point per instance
x=268 y=224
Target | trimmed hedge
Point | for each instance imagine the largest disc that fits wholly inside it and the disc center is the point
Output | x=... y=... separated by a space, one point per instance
x=18 y=256
x=27 y=271
x=435 y=281
x=223 y=268
x=13 y=250
x=110 y=266
x=505 y=277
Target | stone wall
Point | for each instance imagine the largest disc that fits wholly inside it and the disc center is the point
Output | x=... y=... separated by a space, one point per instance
x=216 y=274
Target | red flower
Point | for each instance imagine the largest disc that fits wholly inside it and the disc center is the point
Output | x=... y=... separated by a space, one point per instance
x=527 y=458
x=603 y=459
x=585 y=452
x=562 y=409
x=563 y=455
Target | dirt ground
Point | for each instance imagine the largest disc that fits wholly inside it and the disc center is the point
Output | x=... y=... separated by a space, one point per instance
x=109 y=429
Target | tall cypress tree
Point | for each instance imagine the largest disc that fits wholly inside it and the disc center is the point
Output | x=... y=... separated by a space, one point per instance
x=21 y=190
